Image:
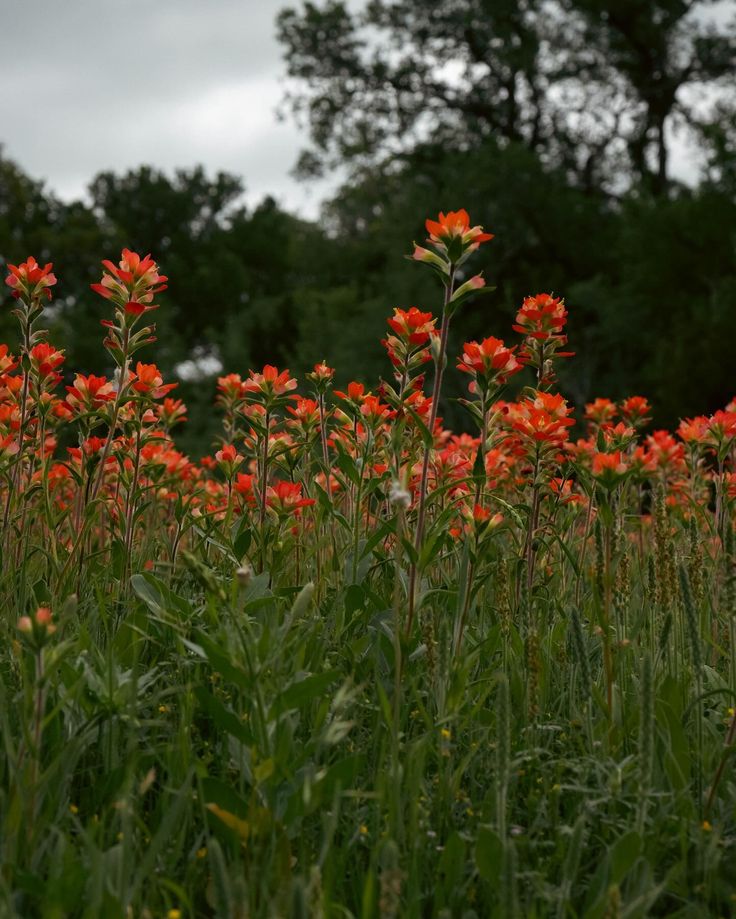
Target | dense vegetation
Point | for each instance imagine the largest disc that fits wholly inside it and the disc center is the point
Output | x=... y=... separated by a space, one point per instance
x=353 y=663
x=428 y=624
x=559 y=123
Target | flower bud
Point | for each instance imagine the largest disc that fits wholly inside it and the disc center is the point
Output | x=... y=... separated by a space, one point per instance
x=244 y=575
x=399 y=495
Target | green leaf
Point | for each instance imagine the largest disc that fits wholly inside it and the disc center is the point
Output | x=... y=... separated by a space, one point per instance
x=223 y=717
x=146 y=588
x=452 y=862
x=622 y=856
x=304 y=691
x=219 y=662
x=171 y=819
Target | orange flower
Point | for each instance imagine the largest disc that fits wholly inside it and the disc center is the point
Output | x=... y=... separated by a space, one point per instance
x=375 y=411
x=29 y=281
x=455 y=225
x=132 y=283
x=93 y=445
x=356 y=393
x=7 y=362
x=321 y=376
x=89 y=393
x=148 y=381
x=609 y=469
x=270 y=382
x=477 y=520
x=600 y=411
x=286 y=498
x=10 y=417
x=490 y=360
x=38 y=627
x=562 y=491
x=729 y=482
x=543 y=420
x=419 y=403
x=721 y=431
x=617 y=436
x=172 y=411
x=230 y=386
x=323 y=372
x=663 y=451
x=8 y=445
x=412 y=325
x=636 y=410
x=306 y=411
x=229 y=459
x=45 y=359
x=693 y=430
x=541 y=317
x=244 y=486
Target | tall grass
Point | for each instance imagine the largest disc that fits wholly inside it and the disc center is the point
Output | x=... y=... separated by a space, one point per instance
x=352 y=665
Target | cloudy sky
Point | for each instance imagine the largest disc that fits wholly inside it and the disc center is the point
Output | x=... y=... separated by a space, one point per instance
x=110 y=84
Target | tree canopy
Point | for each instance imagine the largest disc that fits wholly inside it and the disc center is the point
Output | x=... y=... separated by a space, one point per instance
x=592 y=87
x=552 y=122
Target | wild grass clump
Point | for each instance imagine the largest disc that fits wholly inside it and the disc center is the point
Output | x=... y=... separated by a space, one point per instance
x=353 y=663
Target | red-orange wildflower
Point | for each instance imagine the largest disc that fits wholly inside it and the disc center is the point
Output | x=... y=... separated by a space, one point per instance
x=693 y=430
x=721 y=431
x=286 y=497
x=37 y=627
x=147 y=380
x=89 y=393
x=610 y=469
x=230 y=386
x=305 y=410
x=355 y=393
x=375 y=411
x=543 y=419
x=600 y=411
x=7 y=362
x=455 y=225
x=8 y=445
x=636 y=410
x=617 y=436
x=664 y=451
x=477 y=520
x=245 y=486
x=490 y=361
x=45 y=359
x=229 y=459
x=321 y=377
x=729 y=483
x=29 y=281
x=412 y=325
x=172 y=411
x=270 y=382
x=541 y=317
x=132 y=283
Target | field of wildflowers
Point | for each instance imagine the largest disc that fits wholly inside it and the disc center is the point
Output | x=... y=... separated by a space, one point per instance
x=353 y=663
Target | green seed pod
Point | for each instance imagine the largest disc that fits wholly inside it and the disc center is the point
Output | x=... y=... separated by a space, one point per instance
x=691 y=618
x=646 y=737
x=581 y=654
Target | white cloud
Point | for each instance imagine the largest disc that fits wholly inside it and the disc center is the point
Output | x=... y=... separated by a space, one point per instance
x=112 y=84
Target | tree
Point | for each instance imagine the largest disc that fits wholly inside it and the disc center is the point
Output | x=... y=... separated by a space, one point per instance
x=589 y=86
x=552 y=122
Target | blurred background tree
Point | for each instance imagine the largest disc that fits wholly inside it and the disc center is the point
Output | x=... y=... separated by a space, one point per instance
x=552 y=121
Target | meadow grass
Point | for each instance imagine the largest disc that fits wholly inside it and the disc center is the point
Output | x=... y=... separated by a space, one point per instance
x=386 y=671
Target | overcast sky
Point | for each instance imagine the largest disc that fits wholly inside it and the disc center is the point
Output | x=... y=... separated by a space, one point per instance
x=89 y=85
x=110 y=84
